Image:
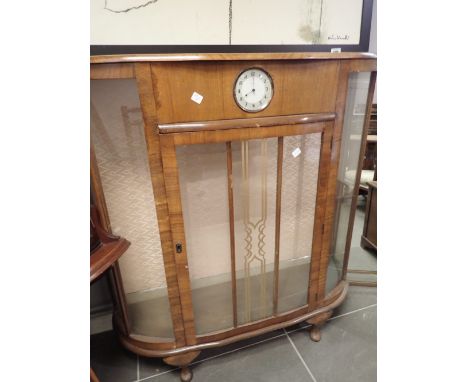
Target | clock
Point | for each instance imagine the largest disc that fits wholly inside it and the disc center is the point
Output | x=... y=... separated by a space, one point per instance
x=253 y=90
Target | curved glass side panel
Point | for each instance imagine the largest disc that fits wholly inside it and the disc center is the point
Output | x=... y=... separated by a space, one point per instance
x=353 y=125
x=117 y=135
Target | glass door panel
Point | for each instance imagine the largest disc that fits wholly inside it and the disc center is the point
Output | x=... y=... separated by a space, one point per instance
x=346 y=191
x=301 y=158
x=254 y=186
x=203 y=183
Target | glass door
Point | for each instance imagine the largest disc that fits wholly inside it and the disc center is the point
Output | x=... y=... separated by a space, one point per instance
x=244 y=217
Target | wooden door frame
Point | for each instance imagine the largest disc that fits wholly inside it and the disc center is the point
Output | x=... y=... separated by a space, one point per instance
x=168 y=143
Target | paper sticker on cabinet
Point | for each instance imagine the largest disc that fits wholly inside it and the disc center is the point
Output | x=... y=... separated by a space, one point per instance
x=296 y=152
x=198 y=98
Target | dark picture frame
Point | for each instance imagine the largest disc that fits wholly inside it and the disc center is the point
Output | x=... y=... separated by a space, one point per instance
x=363 y=45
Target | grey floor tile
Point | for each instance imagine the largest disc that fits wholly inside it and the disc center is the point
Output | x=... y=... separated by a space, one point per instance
x=347 y=351
x=272 y=361
x=110 y=361
x=360 y=258
x=152 y=366
x=358 y=297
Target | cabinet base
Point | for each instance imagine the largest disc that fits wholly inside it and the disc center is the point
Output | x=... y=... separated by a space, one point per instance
x=183 y=356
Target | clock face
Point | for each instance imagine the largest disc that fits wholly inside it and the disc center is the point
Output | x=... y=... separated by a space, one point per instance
x=253 y=90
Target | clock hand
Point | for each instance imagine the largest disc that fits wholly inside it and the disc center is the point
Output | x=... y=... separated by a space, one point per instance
x=253 y=90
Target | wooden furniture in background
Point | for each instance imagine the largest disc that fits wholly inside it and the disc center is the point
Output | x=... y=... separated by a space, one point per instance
x=369 y=234
x=105 y=251
x=227 y=186
x=369 y=166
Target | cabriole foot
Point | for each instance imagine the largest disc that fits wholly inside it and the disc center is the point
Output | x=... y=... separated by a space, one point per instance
x=186 y=374
x=315 y=334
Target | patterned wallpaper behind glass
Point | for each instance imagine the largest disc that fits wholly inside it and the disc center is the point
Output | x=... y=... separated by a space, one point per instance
x=119 y=143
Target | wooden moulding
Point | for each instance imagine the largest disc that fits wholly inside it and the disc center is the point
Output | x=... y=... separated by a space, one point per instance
x=107 y=254
x=232 y=240
x=279 y=183
x=372 y=284
x=240 y=123
x=362 y=271
x=112 y=71
x=199 y=137
x=183 y=359
x=116 y=58
x=150 y=349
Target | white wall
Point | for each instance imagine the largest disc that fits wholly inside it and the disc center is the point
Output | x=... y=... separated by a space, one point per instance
x=204 y=22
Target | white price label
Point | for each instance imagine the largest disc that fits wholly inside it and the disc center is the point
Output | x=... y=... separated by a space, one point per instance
x=198 y=98
x=296 y=152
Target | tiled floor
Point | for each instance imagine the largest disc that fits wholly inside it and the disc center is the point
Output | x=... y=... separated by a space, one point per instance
x=360 y=258
x=346 y=353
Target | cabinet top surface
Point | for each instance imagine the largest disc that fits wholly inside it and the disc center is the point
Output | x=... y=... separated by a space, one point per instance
x=228 y=57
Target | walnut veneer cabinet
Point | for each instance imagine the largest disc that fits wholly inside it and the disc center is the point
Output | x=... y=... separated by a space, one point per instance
x=226 y=173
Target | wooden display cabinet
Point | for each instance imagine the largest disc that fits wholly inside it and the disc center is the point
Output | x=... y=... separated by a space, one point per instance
x=234 y=211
